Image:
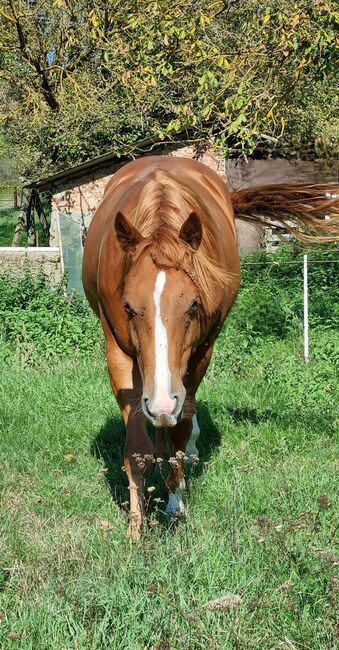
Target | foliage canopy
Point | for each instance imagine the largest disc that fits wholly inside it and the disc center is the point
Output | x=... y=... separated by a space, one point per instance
x=86 y=77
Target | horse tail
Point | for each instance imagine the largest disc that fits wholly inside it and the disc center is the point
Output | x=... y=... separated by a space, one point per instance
x=309 y=212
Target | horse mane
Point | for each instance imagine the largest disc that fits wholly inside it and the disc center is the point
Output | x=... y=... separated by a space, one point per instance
x=164 y=204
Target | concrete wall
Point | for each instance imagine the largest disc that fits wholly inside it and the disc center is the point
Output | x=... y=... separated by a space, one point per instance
x=37 y=259
x=241 y=174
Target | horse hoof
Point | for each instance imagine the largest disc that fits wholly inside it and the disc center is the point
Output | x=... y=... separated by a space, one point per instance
x=175 y=505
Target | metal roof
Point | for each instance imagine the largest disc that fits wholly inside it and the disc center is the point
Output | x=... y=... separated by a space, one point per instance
x=145 y=147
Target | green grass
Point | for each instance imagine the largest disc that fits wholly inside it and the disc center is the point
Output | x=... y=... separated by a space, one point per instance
x=262 y=501
x=261 y=510
x=8 y=219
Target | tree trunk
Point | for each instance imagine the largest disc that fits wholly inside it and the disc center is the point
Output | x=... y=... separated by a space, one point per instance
x=30 y=220
x=21 y=222
x=42 y=217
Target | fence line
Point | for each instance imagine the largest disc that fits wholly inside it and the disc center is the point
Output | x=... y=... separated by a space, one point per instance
x=305 y=271
x=286 y=263
x=306 y=347
x=9 y=199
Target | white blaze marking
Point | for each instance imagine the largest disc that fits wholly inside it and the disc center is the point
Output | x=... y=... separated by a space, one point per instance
x=162 y=374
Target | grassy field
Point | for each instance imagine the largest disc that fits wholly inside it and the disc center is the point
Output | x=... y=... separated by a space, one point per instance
x=262 y=506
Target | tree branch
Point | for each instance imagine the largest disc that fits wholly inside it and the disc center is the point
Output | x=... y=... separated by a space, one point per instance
x=34 y=62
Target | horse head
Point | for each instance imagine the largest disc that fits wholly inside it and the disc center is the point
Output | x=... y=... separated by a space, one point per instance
x=164 y=313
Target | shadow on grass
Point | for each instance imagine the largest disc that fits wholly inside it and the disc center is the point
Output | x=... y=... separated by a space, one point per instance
x=247 y=414
x=287 y=418
x=109 y=443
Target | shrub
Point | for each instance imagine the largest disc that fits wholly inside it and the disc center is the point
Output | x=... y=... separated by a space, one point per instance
x=259 y=312
x=280 y=275
x=38 y=321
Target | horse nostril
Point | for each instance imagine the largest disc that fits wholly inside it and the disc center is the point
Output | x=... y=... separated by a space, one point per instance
x=145 y=399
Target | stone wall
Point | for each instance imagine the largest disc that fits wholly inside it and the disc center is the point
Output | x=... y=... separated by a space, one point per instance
x=83 y=195
x=37 y=259
x=75 y=201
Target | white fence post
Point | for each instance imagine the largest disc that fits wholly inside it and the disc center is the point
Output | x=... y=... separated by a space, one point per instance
x=306 y=351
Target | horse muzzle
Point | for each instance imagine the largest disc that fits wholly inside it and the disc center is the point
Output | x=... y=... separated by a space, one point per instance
x=163 y=413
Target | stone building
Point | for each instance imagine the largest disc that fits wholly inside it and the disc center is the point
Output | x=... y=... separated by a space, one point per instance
x=76 y=193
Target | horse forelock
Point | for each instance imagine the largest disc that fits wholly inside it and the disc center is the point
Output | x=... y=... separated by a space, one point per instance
x=164 y=204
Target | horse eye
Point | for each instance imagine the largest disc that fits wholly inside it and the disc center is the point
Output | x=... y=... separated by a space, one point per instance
x=129 y=310
x=193 y=308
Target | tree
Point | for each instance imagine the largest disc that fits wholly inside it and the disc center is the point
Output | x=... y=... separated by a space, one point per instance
x=89 y=76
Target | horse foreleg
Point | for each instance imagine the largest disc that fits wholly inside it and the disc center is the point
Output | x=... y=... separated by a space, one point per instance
x=197 y=371
x=138 y=461
x=191 y=448
x=127 y=387
x=184 y=435
x=175 y=482
x=161 y=443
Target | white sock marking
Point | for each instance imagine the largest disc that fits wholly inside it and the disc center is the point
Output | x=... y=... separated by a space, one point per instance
x=175 y=505
x=162 y=374
x=191 y=447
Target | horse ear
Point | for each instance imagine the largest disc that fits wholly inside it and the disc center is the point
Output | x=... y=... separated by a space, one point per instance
x=191 y=231
x=127 y=236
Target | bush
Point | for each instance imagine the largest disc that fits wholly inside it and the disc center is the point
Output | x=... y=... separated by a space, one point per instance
x=259 y=312
x=38 y=322
x=275 y=281
x=8 y=220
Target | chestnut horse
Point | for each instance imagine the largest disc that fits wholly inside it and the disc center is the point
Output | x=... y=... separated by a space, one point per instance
x=161 y=270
